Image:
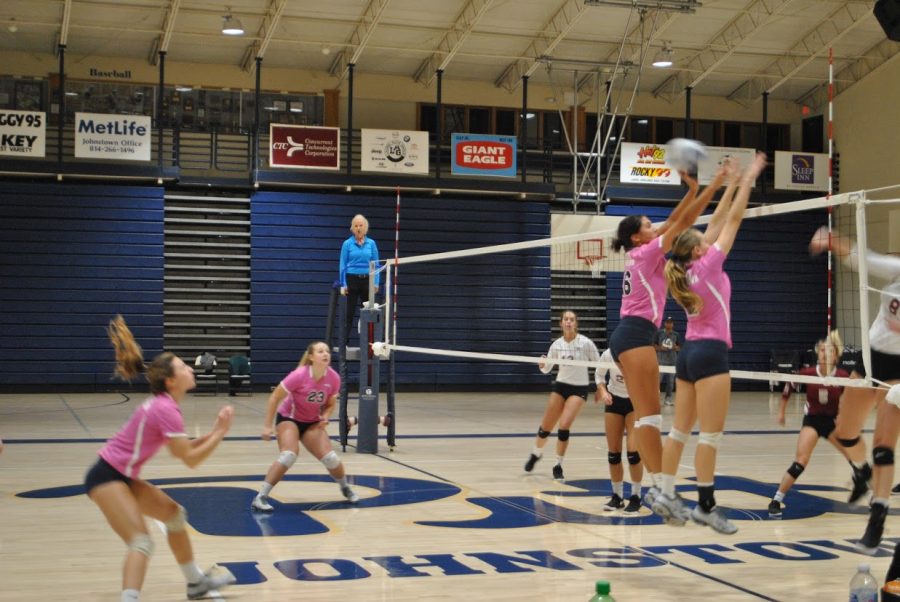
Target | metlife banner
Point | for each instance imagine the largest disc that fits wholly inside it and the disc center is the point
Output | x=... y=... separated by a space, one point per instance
x=101 y=136
x=22 y=133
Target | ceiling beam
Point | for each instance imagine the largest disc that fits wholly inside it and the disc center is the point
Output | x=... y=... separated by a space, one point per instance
x=161 y=44
x=829 y=30
x=884 y=51
x=749 y=21
x=452 y=41
x=357 y=40
x=257 y=49
x=543 y=45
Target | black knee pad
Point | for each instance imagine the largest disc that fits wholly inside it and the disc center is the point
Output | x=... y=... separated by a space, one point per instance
x=614 y=457
x=849 y=442
x=542 y=433
x=562 y=434
x=796 y=469
x=634 y=458
x=883 y=456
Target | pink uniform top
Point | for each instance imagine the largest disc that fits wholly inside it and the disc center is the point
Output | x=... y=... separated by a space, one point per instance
x=708 y=279
x=306 y=394
x=644 y=282
x=153 y=423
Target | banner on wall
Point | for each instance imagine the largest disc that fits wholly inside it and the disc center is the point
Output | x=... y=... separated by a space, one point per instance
x=706 y=169
x=304 y=147
x=23 y=133
x=395 y=151
x=102 y=136
x=646 y=164
x=801 y=171
x=483 y=155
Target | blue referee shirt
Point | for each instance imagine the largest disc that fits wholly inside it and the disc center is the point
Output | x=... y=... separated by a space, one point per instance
x=355 y=258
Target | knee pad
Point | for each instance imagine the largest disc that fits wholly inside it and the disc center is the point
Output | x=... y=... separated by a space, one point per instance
x=562 y=434
x=287 y=458
x=849 y=442
x=141 y=543
x=883 y=456
x=710 y=439
x=796 y=469
x=330 y=460
x=542 y=433
x=177 y=523
x=614 y=457
x=655 y=421
x=677 y=435
x=634 y=458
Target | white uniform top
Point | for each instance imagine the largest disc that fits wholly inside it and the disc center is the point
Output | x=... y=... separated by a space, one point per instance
x=579 y=348
x=884 y=335
x=616 y=384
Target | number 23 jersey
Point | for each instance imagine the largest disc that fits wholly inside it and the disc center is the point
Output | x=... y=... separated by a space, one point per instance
x=306 y=395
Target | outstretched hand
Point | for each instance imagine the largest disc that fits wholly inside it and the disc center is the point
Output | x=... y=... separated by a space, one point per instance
x=224 y=419
x=820 y=241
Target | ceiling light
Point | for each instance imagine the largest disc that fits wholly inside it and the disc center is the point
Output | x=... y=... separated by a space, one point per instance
x=663 y=58
x=231 y=25
x=183 y=89
x=12 y=27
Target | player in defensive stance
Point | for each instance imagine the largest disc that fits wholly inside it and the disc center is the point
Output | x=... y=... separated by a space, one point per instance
x=569 y=392
x=114 y=483
x=307 y=397
x=819 y=414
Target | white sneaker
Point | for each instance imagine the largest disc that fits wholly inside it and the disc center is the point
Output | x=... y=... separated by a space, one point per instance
x=650 y=496
x=349 y=494
x=261 y=504
x=213 y=579
x=672 y=509
x=715 y=520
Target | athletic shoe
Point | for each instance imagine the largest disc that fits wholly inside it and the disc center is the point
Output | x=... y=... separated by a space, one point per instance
x=261 y=504
x=651 y=495
x=558 y=473
x=861 y=480
x=715 y=520
x=213 y=579
x=634 y=504
x=349 y=494
x=532 y=460
x=869 y=542
x=614 y=503
x=672 y=509
x=896 y=488
x=774 y=509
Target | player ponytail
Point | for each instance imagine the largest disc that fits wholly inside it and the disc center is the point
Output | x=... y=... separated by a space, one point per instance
x=130 y=358
x=676 y=271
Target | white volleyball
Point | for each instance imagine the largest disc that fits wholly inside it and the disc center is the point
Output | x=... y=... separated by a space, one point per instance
x=684 y=154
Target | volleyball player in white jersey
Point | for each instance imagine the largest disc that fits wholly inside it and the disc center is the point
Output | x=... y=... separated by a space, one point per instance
x=884 y=340
x=698 y=282
x=619 y=418
x=569 y=393
x=643 y=301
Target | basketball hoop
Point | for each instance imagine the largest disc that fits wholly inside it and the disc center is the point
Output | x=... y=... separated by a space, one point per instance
x=595 y=266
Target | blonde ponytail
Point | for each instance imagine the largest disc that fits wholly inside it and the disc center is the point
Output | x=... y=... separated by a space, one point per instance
x=676 y=271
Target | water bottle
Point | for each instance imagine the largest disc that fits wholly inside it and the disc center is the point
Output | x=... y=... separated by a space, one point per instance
x=602 y=594
x=863 y=587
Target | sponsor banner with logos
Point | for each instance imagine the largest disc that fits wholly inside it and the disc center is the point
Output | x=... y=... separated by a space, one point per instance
x=304 y=147
x=646 y=164
x=482 y=155
x=102 y=136
x=394 y=151
x=706 y=169
x=801 y=171
x=23 y=133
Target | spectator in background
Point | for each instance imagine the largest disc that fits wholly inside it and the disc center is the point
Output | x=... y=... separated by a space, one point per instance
x=667 y=346
x=356 y=253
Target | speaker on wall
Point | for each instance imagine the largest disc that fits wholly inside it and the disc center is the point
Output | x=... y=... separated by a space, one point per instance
x=888 y=14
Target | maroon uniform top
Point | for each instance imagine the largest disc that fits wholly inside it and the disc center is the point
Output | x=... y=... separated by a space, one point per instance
x=820 y=400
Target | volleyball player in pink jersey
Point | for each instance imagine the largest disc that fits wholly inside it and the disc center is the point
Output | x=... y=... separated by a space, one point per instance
x=305 y=399
x=632 y=344
x=698 y=282
x=114 y=484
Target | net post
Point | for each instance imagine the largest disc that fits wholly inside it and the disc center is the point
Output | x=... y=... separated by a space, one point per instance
x=863 y=270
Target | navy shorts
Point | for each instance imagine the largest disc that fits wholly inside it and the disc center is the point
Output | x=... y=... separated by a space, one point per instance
x=620 y=405
x=885 y=366
x=566 y=390
x=301 y=426
x=102 y=472
x=701 y=359
x=631 y=333
x=823 y=425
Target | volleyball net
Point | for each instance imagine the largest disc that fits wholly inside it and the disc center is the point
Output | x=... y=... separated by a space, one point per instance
x=494 y=310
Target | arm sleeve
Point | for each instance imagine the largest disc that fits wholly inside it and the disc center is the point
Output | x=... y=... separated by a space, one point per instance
x=343 y=264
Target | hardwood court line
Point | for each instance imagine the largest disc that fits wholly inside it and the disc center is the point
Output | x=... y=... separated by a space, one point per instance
x=76 y=416
x=101 y=405
x=551 y=519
